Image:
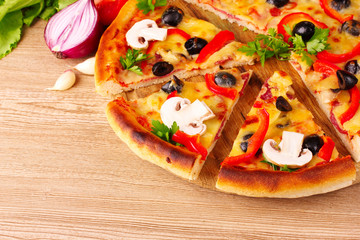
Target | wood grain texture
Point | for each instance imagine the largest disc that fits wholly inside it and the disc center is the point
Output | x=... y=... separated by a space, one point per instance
x=65 y=175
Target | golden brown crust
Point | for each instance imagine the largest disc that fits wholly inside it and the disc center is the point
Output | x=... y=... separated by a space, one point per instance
x=323 y=178
x=146 y=145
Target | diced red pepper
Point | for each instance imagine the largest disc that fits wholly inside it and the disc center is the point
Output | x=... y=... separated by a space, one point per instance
x=326 y=68
x=339 y=58
x=333 y=13
x=192 y=143
x=254 y=143
x=213 y=87
x=326 y=150
x=173 y=94
x=354 y=105
x=296 y=17
x=219 y=41
x=172 y=31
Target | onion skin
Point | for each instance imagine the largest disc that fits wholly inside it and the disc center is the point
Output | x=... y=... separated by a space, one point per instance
x=62 y=37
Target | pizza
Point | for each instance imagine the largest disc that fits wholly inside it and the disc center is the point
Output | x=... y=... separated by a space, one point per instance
x=281 y=152
x=167 y=42
x=199 y=109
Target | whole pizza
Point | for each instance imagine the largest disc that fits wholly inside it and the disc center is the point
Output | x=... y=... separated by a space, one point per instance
x=191 y=76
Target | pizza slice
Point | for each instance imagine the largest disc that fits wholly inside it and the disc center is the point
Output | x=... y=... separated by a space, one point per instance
x=176 y=127
x=142 y=48
x=281 y=152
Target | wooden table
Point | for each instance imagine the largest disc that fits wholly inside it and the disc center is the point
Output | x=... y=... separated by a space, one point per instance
x=65 y=175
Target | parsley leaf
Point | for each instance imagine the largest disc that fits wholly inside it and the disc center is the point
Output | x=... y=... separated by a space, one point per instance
x=147 y=5
x=164 y=132
x=132 y=58
x=277 y=168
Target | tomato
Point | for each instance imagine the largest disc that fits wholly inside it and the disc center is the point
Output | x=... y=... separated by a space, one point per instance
x=108 y=9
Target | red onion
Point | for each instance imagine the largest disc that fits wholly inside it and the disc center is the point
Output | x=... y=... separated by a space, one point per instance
x=75 y=31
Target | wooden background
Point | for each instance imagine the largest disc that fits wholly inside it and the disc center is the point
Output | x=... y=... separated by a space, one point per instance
x=65 y=175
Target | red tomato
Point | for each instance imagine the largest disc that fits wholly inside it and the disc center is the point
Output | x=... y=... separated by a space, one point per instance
x=108 y=9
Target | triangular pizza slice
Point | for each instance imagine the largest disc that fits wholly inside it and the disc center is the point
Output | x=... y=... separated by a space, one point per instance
x=177 y=127
x=142 y=48
x=281 y=152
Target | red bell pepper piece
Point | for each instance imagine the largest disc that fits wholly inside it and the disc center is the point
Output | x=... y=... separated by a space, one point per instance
x=211 y=85
x=333 y=13
x=173 y=94
x=339 y=58
x=354 y=106
x=254 y=143
x=326 y=68
x=298 y=16
x=219 y=41
x=172 y=31
x=192 y=143
x=326 y=150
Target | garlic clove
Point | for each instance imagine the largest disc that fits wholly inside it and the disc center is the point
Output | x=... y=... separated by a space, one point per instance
x=64 y=82
x=86 y=67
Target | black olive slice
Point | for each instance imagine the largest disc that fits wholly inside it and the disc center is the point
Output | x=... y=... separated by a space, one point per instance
x=313 y=142
x=346 y=80
x=173 y=85
x=225 y=79
x=172 y=16
x=283 y=105
x=194 y=45
x=162 y=68
x=352 y=27
x=244 y=143
x=278 y=3
x=305 y=29
x=340 y=4
x=352 y=67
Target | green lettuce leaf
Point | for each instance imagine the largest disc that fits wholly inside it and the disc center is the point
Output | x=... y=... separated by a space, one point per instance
x=10 y=28
x=60 y=4
x=32 y=12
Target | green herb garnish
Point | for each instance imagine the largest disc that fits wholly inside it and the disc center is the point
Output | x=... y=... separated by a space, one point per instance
x=277 y=168
x=273 y=44
x=164 y=132
x=132 y=58
x=147 y=5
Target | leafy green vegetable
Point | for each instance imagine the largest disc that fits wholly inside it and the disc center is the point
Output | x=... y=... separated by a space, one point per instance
x=277 y=168
x=273 y=44
x=132 y=58
x=147 y=5
x=164 y=132
x=15 y=13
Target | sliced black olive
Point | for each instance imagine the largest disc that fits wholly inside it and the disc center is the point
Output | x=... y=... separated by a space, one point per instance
x=346 y=80
x=283 y=105
x=305 y=29
x=247 y=136
x=340 y=4
x=278 y=3
x=173 y=85
x=162 y=68
x=244 y=143
x=172 y=16
x=352 y=67
x=313 y=142
x=352 y=27
x=225 y=79
x=194 y=45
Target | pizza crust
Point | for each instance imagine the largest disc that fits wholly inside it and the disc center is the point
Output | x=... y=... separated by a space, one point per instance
x=334 y=175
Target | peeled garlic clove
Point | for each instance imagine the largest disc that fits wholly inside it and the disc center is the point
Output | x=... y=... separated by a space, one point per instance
x=86 y=67
x=64 y=82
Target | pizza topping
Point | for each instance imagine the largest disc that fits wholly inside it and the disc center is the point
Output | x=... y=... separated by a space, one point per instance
x=326 y=150
x=352 y=27
x=354 y=105
x=290 y=153
x=333 y=13
x=352 y=67
x=173 y=85
x=64 y=82
x=190 y=142
x=346 y=80
x=224 y=91
x=132 y=58
x=283 y=105
x=225 y=79
x=305 y=29
x=188 y=116
x=172 y=16
x=162 y=68
x=313 y=142
x=338 y=5
x=142 y=32
x=339 y=58
x=324 y=67
x=147 y=6
x=278 y=3
x=164 y=132
x=195 y=45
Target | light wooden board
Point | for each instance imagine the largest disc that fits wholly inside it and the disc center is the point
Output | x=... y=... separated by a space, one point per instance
x=65 y=175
